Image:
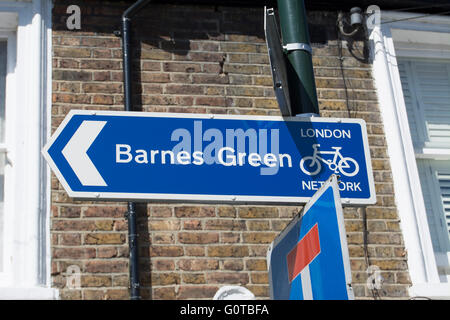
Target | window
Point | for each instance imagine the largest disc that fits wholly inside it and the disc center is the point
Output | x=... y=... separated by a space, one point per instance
x=3 y=55
x=411 y=68
x=6 y=53
x=426 y=92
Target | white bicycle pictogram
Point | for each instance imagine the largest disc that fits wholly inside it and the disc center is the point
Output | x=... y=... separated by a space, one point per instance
x=311 y=165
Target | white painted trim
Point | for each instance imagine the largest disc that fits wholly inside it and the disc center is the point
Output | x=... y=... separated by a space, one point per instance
x=408 y=193
x=434 y=23
x=32 y=293
x=44 y=270
x=27 y=127
x=421 y=44
x=433 y=291
x=8 y=21
x=433 y=153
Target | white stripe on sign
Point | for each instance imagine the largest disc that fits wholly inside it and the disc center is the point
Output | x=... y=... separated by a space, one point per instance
x=306 y=283
x=75 y=153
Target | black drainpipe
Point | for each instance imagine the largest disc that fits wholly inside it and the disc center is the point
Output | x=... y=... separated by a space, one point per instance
x=127 y=84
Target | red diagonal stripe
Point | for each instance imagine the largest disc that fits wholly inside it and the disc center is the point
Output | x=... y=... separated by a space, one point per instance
x=303 y=253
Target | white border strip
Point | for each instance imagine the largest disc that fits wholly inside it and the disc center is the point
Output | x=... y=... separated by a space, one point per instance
x=408 y=195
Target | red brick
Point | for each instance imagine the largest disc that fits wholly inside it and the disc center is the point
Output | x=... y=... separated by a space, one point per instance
x=164 y=293
x=164 y=279
x=72 y=75
x=228 y=251
x=256 y=265
x=193 y=278
x=163 y=265
x=155 y=77
x=192 y=225
x=73 y=253
x=71 y=98
x=104 y=238
x=166 y=251
x=164 y=225
x=181 y=67
x=228 y=278
x=106 y=266
x=101 y=75
x=189 y=211
x=102 y=88
x=196 y=292
x=100 y=211
x=230 y=237
x=198 y=238
x=233 y=264
x=106 y=252
x=184 y=89
x=71 y=52
x=225 y=224
x=195 y=251
x=73 y=225
x=210 y=101
x=95 y=281
x=69 y=212
x=198 y=264
x=70 y=239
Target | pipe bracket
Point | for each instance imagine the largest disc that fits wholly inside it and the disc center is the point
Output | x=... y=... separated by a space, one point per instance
x=297 y=46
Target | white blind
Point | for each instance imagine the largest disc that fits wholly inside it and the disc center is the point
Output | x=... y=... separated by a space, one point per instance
x=435 y=183
x=426 y=88
x=444 y=184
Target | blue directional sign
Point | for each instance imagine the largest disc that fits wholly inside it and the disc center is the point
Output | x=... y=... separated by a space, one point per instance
x=309 y=260
x=188 y=157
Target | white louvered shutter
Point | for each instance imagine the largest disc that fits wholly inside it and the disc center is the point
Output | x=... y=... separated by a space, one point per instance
x=444 y=184
x=435 y=183
x=426 y=90
x=412 y=108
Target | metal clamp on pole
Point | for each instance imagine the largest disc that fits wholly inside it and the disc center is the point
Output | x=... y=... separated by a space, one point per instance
x=297 y=46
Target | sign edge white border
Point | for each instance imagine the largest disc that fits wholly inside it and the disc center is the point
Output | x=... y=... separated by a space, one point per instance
x=233 y=199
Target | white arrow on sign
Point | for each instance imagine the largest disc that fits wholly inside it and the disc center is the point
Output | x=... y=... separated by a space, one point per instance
x=76 y=156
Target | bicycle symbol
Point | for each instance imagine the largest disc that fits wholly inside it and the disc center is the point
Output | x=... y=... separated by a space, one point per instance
x=311 y=165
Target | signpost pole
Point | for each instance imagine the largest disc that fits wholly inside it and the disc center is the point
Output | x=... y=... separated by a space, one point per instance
x=294 y=28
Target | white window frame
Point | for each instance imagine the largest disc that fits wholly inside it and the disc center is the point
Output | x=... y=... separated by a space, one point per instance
x=8 y=217
x=27 y=27
x=408 y=194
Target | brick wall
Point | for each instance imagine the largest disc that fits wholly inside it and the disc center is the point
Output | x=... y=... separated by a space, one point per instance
x=203 y=59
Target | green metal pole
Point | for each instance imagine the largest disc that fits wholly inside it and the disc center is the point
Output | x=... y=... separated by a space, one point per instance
x=294 y=29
